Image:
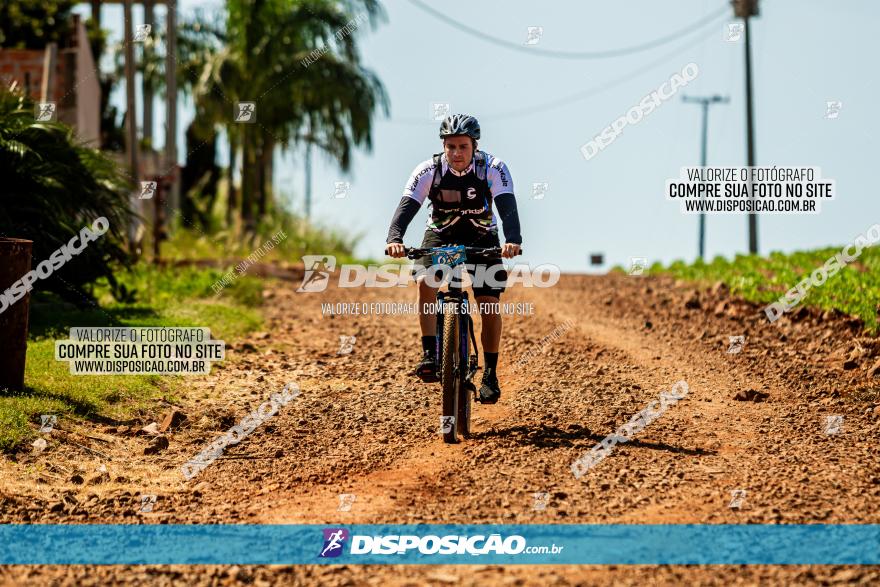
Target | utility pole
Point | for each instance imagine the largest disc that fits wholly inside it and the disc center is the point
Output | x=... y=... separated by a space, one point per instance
x=131 y=125
x=147 y=85
x=309 y=138
x=130 y=115
x=745 y=9
x=171 y=105
x=308 y=180
x=705 y=103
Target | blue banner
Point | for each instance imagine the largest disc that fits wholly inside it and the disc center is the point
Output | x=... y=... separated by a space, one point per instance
x=618 y=544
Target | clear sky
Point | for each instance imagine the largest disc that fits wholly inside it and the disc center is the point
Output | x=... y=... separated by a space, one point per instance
x=536 y=111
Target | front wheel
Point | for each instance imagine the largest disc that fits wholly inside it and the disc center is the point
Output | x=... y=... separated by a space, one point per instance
x=463 y=420
x=449 y=379
x=465 y=391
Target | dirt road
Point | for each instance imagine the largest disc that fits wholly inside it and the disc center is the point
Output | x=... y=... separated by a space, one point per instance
x=363 y=426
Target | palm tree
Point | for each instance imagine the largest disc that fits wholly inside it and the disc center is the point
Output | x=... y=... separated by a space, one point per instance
x=329 y=101
x=53 y=187
x=198 y=38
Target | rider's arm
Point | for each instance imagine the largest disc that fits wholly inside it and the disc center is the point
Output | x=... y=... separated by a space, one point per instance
x=501 y=186
x=406 y=211
x=506 y=205
x=414 y=193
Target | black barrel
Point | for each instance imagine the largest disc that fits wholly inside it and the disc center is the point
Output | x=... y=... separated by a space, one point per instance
x=15 y=263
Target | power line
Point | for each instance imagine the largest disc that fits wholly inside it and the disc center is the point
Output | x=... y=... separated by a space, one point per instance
x=570 y=54
x=583 y=94
x=598 y=89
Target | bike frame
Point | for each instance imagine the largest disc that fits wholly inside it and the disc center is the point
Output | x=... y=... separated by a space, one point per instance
x=460 y=371
x=453 y=255
x=459 y=300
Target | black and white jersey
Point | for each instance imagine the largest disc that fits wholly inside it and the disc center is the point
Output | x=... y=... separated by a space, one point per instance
x=460 y=202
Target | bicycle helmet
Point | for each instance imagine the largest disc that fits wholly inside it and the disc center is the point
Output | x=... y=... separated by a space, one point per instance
x=460 y=124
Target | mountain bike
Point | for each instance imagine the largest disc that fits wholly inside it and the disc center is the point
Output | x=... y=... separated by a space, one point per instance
x=454 y=362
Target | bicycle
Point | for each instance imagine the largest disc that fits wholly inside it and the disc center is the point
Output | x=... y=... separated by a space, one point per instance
x=453 y=361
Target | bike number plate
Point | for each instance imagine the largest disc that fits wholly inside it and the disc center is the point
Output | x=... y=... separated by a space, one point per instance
x=450 y=256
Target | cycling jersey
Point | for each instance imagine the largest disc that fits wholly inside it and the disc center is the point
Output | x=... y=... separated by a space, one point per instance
x=461 y=202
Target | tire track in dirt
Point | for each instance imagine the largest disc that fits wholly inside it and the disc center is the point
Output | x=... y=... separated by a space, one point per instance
x=363 y=425
x=420 y=460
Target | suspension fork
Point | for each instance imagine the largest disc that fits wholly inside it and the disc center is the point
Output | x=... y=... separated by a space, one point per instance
x=438 y=329
x=469 y=363
x=468 y=331
x=442 y=299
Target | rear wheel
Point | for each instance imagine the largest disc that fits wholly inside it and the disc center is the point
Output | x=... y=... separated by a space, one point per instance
x=449 y=379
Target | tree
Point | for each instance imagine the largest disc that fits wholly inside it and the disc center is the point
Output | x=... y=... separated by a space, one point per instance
x=53 y=187
x=32 y=24
x=270 y=59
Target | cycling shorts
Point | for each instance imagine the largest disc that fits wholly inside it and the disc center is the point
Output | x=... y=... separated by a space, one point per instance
x=432 y=239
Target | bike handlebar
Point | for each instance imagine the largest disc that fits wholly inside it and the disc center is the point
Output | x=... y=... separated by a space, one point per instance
x=415 y=253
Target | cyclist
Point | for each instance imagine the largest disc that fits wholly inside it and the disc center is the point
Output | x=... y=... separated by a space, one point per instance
x=462 y=184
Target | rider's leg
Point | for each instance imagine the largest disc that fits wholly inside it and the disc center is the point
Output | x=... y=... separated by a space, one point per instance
x=426 y=369
x=490 y=334
x=488 y=299
x=488 y=286
x=490 y=315
x=427 y=299
x=428 y=283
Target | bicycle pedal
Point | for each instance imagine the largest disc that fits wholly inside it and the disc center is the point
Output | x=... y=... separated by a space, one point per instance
x=427 y=376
